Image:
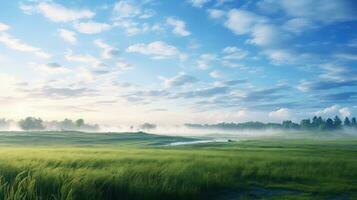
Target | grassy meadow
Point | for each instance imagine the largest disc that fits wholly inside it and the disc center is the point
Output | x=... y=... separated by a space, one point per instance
x=94 y=166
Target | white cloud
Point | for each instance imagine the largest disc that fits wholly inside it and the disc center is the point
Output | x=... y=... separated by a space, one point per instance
x=266 y=35
x=282 y=113
x=198 y=3
x=130 y=9
x=179 y=26
x=280 y=55
x=347 y=56
x=179 y=80
x=80 y=58
x=126 y=9
x=345 y=112
x=133 y=27
x=215 y=74
x=68 y=36
x=298 y=25
x=334 y=110
x=58 y=13
x=324 y=11
x=123 y=65
x=157 y=49
x=242 y=22
x=50 y=68
x=327 y=111
x=108 y=51
x=205 y=60
x=215 y=13
x=4 y=27
x=232 y=52
x=16 y=44
x=91 y=27
x=9 y=86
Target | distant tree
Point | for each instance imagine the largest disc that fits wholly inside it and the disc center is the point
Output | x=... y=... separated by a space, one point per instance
x=329 y=125
x=337 y=123
x=79 y=123
x=305 y=124
x=147 y=126
x=4 y=124
x=353 y=122
x=31 y=123
x=320 y=123
x=314 y=123
x=290 y=125
x=347 y=122
x=67 y=124
x=317 y=123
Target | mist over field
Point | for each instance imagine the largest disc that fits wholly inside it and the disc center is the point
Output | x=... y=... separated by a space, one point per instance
x=178 y=100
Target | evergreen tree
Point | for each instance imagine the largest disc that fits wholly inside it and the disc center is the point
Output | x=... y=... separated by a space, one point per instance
x=347 y=122
x=314 y=123
x=329 y=124
x=320 y=123
x=353 y=122
x=305 y=124
x=337 y=123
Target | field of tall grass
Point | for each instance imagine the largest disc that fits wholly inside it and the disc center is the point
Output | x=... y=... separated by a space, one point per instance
x=266 y=169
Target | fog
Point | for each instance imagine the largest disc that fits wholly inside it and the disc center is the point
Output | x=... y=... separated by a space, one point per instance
x=235 y=135
x=202 y=134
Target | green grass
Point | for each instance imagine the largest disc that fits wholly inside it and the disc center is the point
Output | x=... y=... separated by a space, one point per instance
x=80 y=166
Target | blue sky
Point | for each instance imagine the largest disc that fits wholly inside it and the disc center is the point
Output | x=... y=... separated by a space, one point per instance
x=171 y=62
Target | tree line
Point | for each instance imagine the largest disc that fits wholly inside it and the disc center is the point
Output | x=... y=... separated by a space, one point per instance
x=33 y=123
x=316 y=123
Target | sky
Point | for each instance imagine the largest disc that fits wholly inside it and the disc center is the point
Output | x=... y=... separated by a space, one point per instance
x=122 y=62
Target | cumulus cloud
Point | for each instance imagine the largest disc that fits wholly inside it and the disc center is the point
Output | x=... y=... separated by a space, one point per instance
x=15 y=44
x=282 y=113
x=205 y=60
x=234 y=53
x=68 y=36
x=215 y=74
x=123 y=65
x=57 y=12
x=80 y=58
x=266 y=35
x=242 y=21
x=298 y=25
x=327 y=110
x=345 y=112
x=126 y=9
x=334 y=110
x=130 y=14
x=91 y=27
x=179 y=80
x=157 y=49
x=215 y=13
x=108 y=51
x=280 y=55
x=198 y=3
x=50 y=68
x=179 y=26
x=4 y=27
